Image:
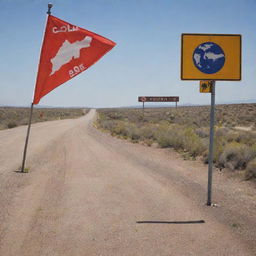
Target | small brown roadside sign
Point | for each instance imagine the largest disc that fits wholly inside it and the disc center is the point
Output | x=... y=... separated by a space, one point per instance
x=205 y=86
x=158 y=99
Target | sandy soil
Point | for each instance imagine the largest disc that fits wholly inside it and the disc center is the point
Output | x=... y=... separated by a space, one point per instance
x=87 y=193
x=244 y=128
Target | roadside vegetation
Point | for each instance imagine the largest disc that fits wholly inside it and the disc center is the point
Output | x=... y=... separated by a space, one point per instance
x=11 y=117
x=186 y=129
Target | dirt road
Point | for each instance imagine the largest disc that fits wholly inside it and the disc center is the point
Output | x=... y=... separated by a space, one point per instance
x=87 y=193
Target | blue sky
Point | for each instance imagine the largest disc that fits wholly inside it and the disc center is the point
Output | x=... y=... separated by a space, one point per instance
x=146 y=59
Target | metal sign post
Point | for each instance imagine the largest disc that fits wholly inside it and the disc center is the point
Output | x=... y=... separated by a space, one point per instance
x=211 y=144
x=159 y=99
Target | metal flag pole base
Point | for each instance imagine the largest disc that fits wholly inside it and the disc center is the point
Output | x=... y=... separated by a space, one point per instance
x=26 y=143
x=210 y=157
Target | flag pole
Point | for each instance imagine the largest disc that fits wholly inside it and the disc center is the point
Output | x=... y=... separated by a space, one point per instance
x=26 y=143
x=49 y=8
x=30 y=117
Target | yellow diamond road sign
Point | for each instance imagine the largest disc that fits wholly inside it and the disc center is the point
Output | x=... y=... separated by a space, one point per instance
x=205 y=86
x=210 y=57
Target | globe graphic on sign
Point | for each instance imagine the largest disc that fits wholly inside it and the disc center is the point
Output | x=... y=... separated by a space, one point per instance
x=209 y=58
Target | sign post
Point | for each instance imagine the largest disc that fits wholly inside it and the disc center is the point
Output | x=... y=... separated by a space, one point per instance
x=144 y=99
x=210 y=57
x=158 y=99
x=210 y=157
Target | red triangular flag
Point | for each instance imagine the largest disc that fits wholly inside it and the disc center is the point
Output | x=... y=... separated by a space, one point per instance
x=67 y=50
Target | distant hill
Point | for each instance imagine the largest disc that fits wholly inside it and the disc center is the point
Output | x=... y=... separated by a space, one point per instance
x=172 y=105
x=148 y=104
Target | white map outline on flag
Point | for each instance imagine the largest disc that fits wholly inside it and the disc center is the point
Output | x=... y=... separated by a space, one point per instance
x=68 y=51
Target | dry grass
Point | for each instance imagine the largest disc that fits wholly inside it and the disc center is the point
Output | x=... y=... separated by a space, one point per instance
x=186 y=129
x=11 y=117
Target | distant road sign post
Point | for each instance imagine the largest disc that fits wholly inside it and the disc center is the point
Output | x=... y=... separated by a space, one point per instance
x=144 y=99
x=158 y=98
x=210 y=57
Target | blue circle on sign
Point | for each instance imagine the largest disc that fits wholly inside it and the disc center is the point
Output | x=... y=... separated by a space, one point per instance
x=209 y=58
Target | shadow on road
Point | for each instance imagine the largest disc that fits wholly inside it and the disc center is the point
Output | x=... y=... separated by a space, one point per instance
x=170 y=222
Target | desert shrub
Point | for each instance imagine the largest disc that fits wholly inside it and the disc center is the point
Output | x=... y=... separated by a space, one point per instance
x=119 y=129
x=148 y=132
x=108 y=124
x=196 y=116
x=250 y=172
x=133 y=132
x=186 y=129
x=13 y=116
x=162 y=139
x=164 y=124
x=236 y=156
x=222 y=132
x=192 y=143
x=219 y=145
x=232 y=136
x=115 y=116
x=247 y=138
x=11 y=124
x=169 y=138
x=202 y=132
x=178 y=137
